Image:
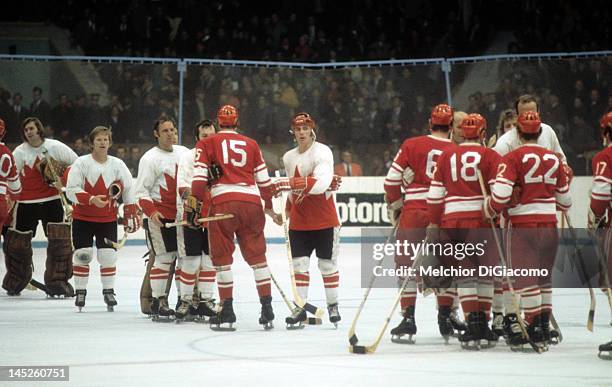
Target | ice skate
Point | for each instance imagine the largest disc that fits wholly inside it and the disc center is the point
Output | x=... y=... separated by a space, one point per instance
x=79 y=301
x=444 y=323
x=514 y=334
x=334 y=314
x=406 y=327
x=456 y=321
x=297 y=319
x=488 y=338
x=183 y=312
x=160 y=310
x=470 y=339
x=205 y=310
x=497 y=325
x=536 y=332
x=109 y=299
x=605 y=351
x=224 y=320
x=551 y=335
x=267 y=314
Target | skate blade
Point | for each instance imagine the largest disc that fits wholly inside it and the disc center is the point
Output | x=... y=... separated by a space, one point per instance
x=488 y=344
x=223 y=327
x=295 y=327
x=473 y=345
x=526 y=348
x=605 y=355
x=401 y=340
x=163 y=319
x=268 y=326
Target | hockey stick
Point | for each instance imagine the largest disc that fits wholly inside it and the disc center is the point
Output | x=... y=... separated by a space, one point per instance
x=117 y=245
x=502 y=258
x=58 y=185
x=318 y=312
x=200 y=220
x=365 y=349
x=603 y=264
x=353 y=340
x=309 y=320
x=591 y=316
x=37 y=286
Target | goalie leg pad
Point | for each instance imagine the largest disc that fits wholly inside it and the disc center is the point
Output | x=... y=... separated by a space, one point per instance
x=146 y=295
x=18 y=260
x=58 y=267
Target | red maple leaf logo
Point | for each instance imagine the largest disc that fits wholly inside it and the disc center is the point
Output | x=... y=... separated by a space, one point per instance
x=168 y=196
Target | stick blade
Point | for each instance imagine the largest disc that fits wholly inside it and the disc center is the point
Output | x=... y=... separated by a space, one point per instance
x=358 y=349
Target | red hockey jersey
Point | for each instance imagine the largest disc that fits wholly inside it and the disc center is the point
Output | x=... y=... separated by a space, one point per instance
x=543 y=185
x=601 y=191
x=420 y=154
x=243 y=169
x=455 y=191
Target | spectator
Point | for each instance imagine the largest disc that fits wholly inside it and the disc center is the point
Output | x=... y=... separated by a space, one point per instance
x=16 y=115
x=506 y=122
x=347 y=167
x=39 y=108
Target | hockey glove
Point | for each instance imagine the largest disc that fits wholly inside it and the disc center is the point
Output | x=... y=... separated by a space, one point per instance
x=192 y=208
x=131 y=218
x=215 y=173
x=488 y=212
x=52 y=171
x=335 y=184
x=298 y=185
x=394 y=210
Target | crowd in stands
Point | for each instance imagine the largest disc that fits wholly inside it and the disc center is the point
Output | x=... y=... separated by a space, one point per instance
x=368 y=111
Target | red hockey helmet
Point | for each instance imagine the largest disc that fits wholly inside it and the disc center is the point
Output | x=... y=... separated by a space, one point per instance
x=227 y=116
x=529 y=122
x=606 y=120
x=2 y=128
x=302 y=119
x=442 y=114
x=473 y=125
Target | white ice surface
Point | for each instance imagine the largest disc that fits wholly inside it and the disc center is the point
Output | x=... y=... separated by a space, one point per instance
x=126 y=348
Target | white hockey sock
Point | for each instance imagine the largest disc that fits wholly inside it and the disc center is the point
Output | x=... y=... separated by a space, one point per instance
x=108 y=260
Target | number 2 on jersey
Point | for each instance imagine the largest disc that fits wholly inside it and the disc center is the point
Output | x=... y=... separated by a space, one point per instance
x=236 y=148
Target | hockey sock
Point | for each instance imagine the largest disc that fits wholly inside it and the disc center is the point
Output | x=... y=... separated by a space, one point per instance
x=408 y=297
x=485 y=297
x=206 y=278
x=262 y=279
x=531 y=302
x=80 y=267
x=302 y=276
x=108 y=260
x=331 y=279
x=468 y=294
x=189 y=266
x=225 y=282
x=546 y=292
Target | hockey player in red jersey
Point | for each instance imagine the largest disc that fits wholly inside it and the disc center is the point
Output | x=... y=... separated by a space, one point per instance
x=243 y=177
x=10 y=188
x=313 y=217
x=455 y=203
x=412 y=170
x=531 y=184
x=41 y=163
x=95 y=184
x=601 y=190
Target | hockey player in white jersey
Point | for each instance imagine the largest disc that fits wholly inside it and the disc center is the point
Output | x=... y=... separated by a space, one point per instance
x=96 y=182
x=313 y=217
x=156 y=193
x=196 y=265
x=41 y=163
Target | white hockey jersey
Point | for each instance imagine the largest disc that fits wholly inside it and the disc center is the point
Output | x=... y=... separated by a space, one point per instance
x=88 y=178
x=156 y=181
x=318 y=209
x=510 y=141
x=27 y=158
